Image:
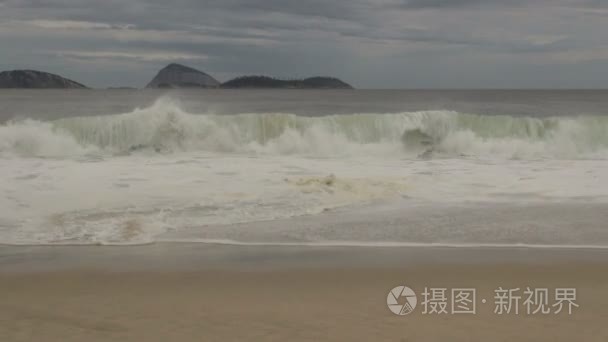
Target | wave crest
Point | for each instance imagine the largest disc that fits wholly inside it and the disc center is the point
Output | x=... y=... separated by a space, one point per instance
x=165 y=127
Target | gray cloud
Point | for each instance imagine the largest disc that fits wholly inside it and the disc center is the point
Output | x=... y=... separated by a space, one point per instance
x=425 y=4
x=372 y=43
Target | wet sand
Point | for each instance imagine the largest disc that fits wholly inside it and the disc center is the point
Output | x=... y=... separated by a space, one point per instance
x=190 y=292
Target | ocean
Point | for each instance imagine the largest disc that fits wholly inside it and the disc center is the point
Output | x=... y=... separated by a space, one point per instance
x=305 y=167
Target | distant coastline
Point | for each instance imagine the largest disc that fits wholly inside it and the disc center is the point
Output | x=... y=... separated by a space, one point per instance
x=173 y=76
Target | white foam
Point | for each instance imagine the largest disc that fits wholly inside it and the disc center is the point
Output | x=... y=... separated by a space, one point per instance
x=165 y=127
x=129 y=178
x=38 y=139
x=383 y=244
x=136 y=198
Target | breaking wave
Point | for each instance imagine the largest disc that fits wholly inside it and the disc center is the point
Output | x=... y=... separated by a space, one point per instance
x=165 y=127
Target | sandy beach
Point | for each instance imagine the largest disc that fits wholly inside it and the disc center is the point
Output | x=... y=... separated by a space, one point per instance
x=267 y=170
x=194 y=292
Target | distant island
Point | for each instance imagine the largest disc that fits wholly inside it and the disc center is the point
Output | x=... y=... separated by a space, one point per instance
x=173 y=76
x=180 y=76
x=269 y=82
x=36 y=80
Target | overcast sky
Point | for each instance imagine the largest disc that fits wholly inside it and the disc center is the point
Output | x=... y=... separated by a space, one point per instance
x=368 y=43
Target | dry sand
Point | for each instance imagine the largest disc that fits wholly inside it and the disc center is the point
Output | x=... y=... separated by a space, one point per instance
x=288 y=294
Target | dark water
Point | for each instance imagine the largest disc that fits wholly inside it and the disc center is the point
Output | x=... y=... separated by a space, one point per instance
x=53 y=104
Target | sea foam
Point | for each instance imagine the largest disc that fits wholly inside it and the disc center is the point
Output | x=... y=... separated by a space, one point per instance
x=165 y=128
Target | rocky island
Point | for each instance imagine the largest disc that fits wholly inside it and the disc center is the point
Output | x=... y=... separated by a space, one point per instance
x=172 y=76
x=32 y=79
x=180 y=76
x=273 y=83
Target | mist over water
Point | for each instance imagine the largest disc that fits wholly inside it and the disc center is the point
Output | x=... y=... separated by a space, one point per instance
x=367 y=168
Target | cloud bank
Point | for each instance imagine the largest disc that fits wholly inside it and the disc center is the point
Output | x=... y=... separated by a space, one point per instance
x=369 y=43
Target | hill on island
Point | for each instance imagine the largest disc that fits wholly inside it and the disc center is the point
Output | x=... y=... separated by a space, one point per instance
x=172 y=76
x=269 y=82
x=32 y=79
x=180 y=76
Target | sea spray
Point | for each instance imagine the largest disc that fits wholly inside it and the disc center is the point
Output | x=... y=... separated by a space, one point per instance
x=165 y=128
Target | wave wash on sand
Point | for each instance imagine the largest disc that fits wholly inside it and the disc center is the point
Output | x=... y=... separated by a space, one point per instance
x=434 y=177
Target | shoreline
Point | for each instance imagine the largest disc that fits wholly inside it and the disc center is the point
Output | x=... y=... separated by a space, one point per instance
x=179 y=256
x=327 y=244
